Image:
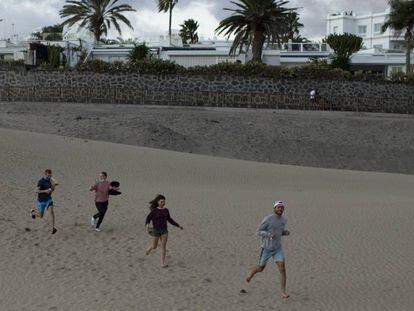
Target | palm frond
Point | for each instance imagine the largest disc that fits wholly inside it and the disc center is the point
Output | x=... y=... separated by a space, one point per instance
x=95 y=15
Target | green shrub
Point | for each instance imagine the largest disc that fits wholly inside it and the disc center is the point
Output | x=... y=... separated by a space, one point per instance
x=315 y=70
x=153 y=66
x=11 y=62
x=95 y=65
x=410 y=77
x=138 y=53
x=156 y=66
x=398 y=77
x=230 y=68
x=53 y=55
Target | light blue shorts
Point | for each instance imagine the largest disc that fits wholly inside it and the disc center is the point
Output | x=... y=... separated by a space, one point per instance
x=266 y=254
x=42 y=206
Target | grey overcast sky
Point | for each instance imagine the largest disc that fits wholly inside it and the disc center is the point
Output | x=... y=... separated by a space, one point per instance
x=22 y=17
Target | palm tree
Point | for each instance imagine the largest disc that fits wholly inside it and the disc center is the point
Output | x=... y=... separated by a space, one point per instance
x=401 y=18
x=49 y=33
x=188 y=31
x=95 y=15
x=253 y=22
x=292 y=27
x=167 y=6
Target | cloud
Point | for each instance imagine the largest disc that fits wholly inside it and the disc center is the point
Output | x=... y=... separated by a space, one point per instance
x=24 y=16
x=149 y=22
x=27 y=15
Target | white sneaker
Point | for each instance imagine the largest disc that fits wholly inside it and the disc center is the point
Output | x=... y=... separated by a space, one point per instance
x=97 y=229
x=92 y=221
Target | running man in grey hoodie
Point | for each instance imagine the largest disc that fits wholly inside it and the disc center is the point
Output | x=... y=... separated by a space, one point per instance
x=271 y=231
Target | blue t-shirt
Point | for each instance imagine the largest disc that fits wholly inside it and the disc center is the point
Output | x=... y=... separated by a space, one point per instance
x=44 y=184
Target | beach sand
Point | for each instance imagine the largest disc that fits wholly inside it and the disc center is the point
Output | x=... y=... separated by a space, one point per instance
x=350 y=246
x=342 y=140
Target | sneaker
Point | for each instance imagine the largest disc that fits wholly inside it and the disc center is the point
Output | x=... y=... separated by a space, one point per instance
x=97 y=229
x=92 y=221
x=32 y=214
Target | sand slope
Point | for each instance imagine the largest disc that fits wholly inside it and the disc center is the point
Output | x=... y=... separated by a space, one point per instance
x=350 y=249
x=342 y=140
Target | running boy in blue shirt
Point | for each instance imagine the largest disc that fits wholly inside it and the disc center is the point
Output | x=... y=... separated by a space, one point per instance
x=45 y=187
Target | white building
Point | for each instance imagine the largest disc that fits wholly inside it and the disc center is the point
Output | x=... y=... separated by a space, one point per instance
x=367 y=26
x=209 y=53
x=382 y=52
x=12 y=50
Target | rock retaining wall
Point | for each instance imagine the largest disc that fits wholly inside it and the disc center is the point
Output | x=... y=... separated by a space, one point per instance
x=189 y=90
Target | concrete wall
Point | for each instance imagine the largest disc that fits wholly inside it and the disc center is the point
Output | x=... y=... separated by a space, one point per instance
x=226 y=91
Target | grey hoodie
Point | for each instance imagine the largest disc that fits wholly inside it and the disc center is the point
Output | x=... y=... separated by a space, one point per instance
x=271 y=224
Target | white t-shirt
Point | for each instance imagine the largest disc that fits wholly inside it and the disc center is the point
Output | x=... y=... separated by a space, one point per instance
x=312 y=94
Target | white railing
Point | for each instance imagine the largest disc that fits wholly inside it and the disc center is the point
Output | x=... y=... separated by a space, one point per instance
x=300 y=47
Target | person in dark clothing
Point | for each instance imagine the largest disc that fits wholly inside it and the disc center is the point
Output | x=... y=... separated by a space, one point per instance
x=159 y=216
x=45 y=187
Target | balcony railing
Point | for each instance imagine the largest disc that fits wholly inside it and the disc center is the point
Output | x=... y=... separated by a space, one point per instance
x=300 y=47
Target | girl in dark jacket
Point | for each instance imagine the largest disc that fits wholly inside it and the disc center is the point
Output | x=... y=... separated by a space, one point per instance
x=159 y=216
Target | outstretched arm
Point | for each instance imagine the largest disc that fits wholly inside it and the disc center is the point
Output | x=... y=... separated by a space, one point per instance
x=172 y=221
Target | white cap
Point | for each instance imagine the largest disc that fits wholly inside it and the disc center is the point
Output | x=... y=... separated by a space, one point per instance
x=278 y=203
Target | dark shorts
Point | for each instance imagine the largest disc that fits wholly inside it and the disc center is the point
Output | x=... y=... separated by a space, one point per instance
x=156 y=232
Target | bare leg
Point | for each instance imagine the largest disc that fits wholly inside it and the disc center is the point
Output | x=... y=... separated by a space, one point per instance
x=36 y=213
x=255 y=270
x=164 y=239
x=52 y=218
x=282 y=271
x=153 y=245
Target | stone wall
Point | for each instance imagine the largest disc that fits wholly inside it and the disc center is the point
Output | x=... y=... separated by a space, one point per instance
x=224 y=91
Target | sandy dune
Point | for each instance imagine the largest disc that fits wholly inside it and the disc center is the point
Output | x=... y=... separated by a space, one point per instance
x=350 y=248
x=341 y=140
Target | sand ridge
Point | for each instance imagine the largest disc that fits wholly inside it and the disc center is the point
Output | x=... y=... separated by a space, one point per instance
x=350 y=247
x=343 y=140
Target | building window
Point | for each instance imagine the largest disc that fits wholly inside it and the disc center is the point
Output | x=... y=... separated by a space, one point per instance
x=335 y=29
x=362 y=30
x=396 y=46
x=377 y=28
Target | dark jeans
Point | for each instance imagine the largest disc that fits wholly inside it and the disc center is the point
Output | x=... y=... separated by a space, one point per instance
x=102 y=208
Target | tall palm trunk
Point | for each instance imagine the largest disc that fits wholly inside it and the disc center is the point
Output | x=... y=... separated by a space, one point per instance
x=169 y=27
x=409 y=45
x=257 y=48
x=97 y=35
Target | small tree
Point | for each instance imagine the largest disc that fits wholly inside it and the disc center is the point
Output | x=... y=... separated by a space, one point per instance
x=53 y=55
x=344 y=46
x=138 y=53
x=49 y=33
x=188 y=31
